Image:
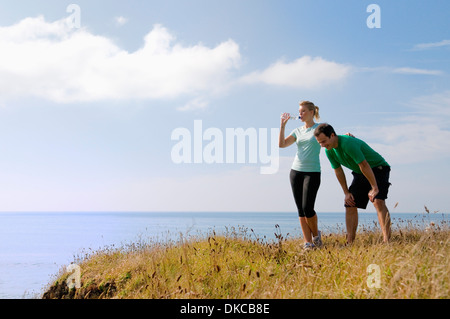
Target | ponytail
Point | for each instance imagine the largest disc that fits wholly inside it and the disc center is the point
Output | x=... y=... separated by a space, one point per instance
x=316 y=113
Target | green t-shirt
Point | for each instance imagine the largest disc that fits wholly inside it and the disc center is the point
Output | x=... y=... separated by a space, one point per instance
x=351 y=151
x=308 y=150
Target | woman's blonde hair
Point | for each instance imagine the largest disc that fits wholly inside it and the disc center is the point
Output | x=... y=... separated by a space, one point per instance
x=311 y=107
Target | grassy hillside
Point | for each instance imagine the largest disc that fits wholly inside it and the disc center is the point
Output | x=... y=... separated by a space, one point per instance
x=415 y=264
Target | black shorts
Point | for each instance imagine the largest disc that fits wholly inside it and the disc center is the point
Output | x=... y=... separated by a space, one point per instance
x=360 y=186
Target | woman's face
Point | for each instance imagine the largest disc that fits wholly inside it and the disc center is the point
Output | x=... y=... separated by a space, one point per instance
x=305 y=113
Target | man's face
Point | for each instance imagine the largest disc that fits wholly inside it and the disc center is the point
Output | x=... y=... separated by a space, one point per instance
x=325 y=141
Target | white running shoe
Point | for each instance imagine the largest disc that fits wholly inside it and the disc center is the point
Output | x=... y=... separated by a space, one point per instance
x=308 y=246
x=317 y=240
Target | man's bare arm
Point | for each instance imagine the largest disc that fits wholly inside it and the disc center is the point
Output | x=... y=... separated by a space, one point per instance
x=349 y=199
x=368 y=173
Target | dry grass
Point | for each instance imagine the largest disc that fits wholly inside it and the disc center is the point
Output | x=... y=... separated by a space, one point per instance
x=415 y=264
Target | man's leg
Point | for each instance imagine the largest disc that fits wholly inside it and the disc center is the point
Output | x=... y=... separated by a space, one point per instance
x=351 y=221
x=384 y=218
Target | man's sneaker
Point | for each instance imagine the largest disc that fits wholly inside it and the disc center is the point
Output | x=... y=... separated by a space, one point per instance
x=308 y=246
x=317 y=240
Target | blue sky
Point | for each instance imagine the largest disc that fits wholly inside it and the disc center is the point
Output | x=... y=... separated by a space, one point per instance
x=87 y=114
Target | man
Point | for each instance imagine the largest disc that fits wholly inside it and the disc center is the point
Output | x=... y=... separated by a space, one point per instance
x=370 y=177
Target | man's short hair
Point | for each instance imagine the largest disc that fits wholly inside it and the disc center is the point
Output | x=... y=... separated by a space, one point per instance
x=324 y=128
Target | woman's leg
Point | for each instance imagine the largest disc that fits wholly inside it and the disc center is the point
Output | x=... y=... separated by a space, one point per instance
x=307 y=234
x=297 y=183
x=311 y=185
x=312 y=224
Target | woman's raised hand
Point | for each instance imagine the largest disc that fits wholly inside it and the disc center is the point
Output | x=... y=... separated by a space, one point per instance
x=285 y=118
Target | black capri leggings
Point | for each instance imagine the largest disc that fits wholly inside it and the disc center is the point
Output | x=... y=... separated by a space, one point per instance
x=304 y=187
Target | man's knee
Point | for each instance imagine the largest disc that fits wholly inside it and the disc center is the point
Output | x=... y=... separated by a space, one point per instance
x=379 y=204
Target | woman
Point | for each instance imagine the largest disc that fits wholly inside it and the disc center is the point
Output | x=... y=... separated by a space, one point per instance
x=305 y=171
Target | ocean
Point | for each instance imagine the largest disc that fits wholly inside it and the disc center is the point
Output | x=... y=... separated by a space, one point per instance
x=34 y=247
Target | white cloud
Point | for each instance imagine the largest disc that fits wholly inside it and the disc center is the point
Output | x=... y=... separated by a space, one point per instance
x=402 y=70
x=426 y=46
x=416 y=137
x=408 y=70
x=195 y=104
x=305 y=72
x=62 y=64
x=120 y=21
x=53 y=61
x=410 y=142
x=436 y=106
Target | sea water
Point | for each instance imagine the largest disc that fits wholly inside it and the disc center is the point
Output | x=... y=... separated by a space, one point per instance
x=34 y=247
